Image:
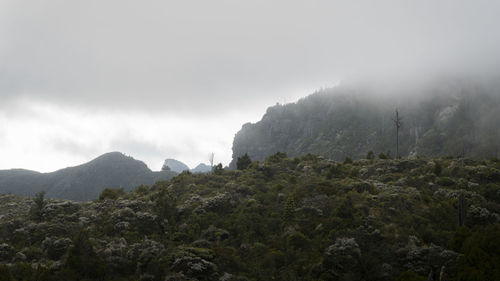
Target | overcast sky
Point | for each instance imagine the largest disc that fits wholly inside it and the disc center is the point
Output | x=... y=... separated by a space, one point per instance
x=177 y=79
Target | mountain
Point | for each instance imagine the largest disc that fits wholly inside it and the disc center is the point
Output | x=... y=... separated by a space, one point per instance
x=83 y=182
x=174 y=165
x=202 y=168
x=304 y=218
x=439 y=118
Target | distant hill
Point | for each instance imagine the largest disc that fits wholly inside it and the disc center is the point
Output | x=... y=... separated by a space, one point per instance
x=174 y=165
x=440 y=118
x=83 y=182
x=202 y=168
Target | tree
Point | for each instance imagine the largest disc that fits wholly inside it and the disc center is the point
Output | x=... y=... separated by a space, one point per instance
x=370 y=155
x=218 y=169
x=37 y=208
x=111 y=193
x=82 y=260
x=243 y=162
x=398 y=124
x=165 y=205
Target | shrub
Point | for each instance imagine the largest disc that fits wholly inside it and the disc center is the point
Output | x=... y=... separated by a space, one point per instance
x=370 y=155
x=37 y=208
x=111 y=193
x=243 y=162
x=438 y=169
x=83 y=260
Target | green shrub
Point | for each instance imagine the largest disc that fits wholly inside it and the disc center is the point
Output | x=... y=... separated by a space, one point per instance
x=39 y=203
x=347 y=160
x=243 y=162
x=111 y=193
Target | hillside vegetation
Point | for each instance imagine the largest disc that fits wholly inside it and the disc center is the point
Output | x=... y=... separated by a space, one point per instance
x=439 y=118
x=304 y=218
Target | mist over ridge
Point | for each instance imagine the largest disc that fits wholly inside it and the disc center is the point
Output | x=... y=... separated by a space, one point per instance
x=451 y=116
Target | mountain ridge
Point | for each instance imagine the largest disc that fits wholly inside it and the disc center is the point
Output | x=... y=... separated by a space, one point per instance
x=448 y=118
x=85 y=181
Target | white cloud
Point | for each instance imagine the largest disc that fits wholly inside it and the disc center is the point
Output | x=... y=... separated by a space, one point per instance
x=46 y=137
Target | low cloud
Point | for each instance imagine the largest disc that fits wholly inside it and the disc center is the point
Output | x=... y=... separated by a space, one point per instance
x=194 y=71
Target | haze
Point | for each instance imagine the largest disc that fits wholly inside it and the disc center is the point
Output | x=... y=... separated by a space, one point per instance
x=165 y=79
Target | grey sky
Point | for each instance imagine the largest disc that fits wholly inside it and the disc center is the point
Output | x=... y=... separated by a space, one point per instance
x=206 y=62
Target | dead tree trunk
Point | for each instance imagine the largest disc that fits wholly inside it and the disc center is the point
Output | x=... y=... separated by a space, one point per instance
x=398 y=124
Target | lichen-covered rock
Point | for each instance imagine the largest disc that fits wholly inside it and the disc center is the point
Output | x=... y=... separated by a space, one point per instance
x=19 y=257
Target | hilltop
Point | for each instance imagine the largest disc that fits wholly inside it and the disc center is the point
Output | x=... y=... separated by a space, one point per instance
x=304 y=218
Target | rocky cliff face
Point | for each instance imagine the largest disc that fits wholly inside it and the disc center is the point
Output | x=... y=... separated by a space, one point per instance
x=174 y=165
x=439 y=119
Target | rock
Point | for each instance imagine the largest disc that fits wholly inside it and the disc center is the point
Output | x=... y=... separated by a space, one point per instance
x=19 y=257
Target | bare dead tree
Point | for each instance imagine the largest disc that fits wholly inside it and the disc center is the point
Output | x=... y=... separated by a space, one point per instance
x=398 y=124
x=211 y=160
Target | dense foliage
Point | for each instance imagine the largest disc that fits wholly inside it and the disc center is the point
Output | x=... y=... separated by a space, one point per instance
x=284 y=218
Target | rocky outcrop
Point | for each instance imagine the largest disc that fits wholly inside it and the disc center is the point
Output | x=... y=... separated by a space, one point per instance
x=346 y=121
